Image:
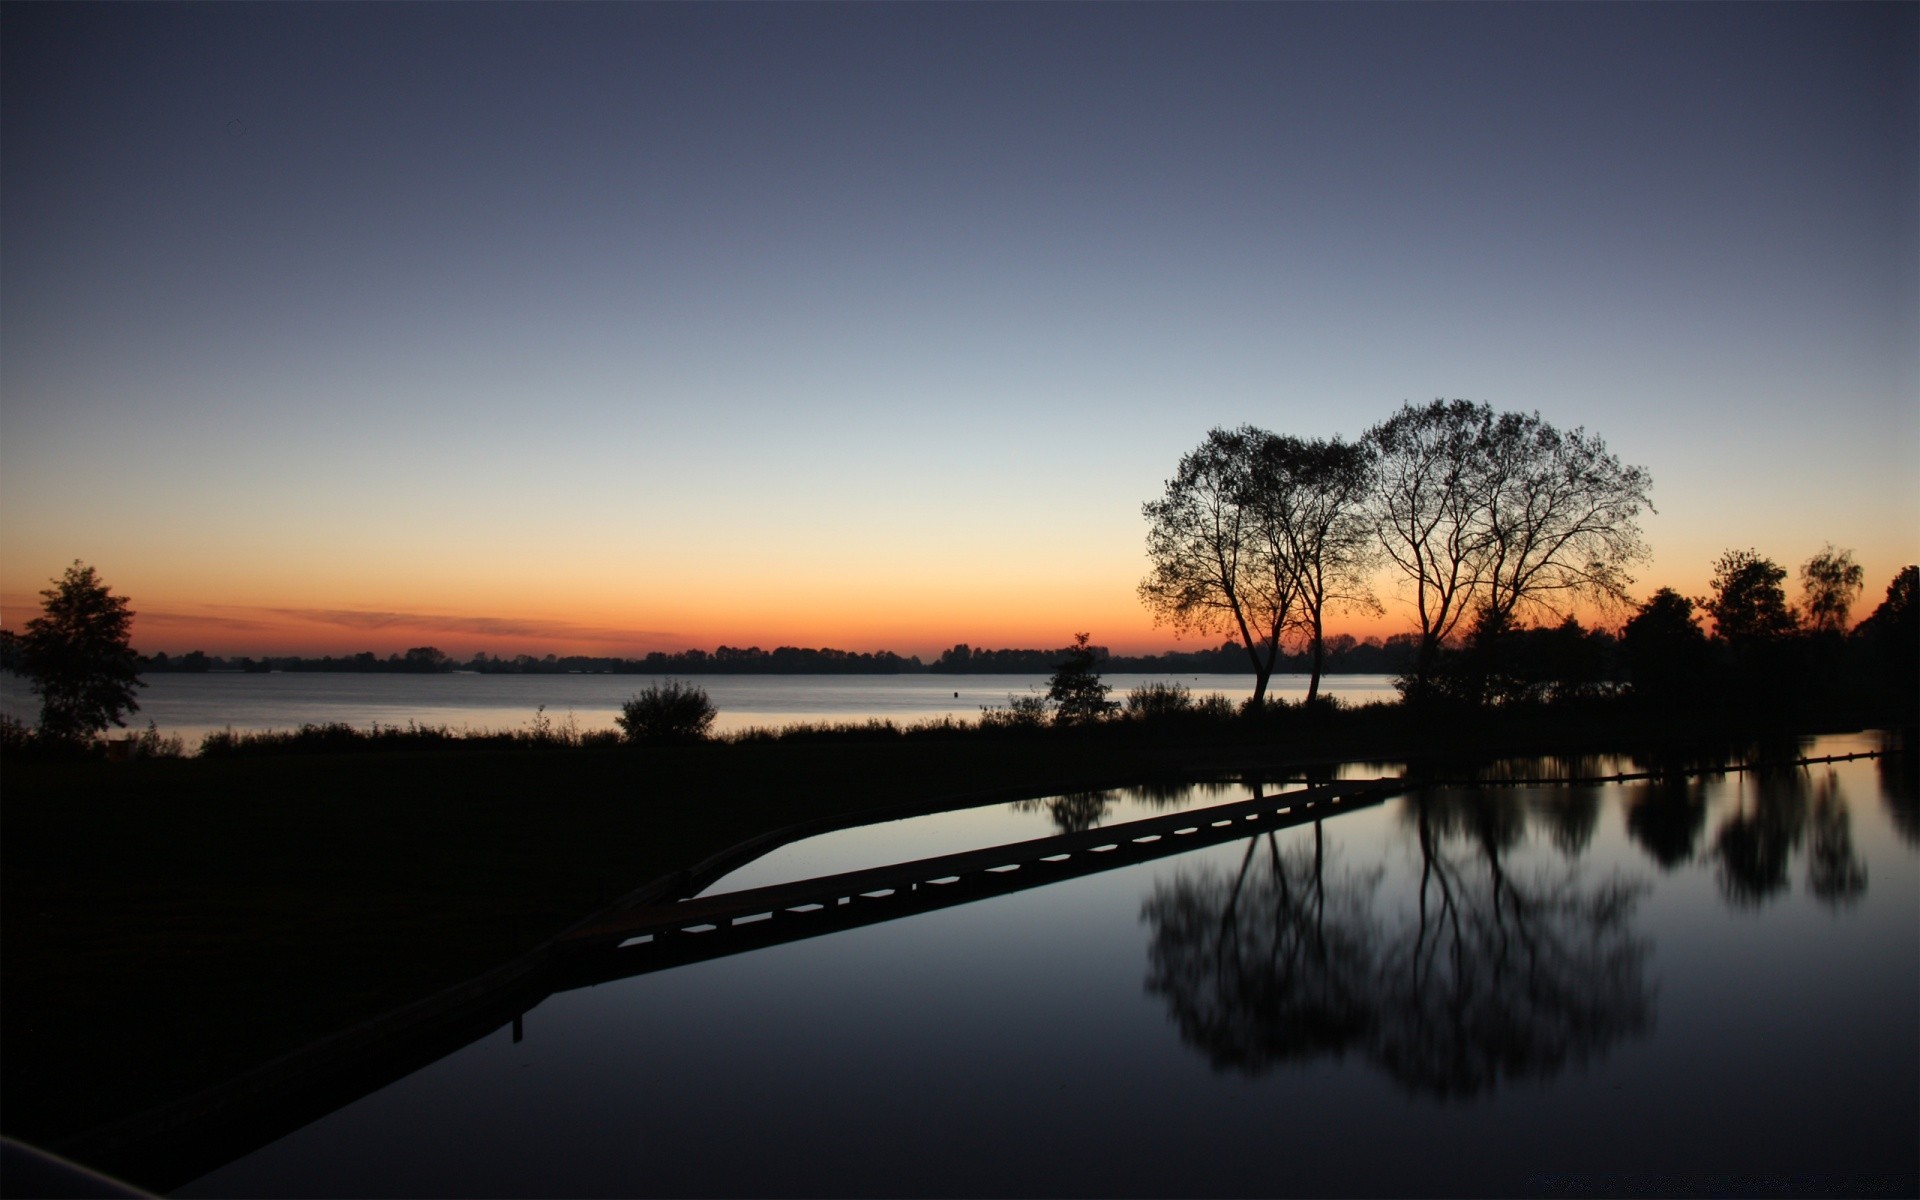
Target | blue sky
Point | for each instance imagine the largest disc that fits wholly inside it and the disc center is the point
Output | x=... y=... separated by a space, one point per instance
x=873 y=325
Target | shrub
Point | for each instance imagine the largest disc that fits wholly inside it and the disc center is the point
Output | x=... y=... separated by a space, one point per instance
x=667 y=712
x=1030 y=711
x=151 y=743
x=1215 y=707
x=1158 y=701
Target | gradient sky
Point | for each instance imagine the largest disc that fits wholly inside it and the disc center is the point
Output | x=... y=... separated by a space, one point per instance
x=608 y=328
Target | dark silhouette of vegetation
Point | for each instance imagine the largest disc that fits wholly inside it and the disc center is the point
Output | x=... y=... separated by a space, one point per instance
x=664 y=713
x=1748 y=605
x=1076 y=691
x=1831 y=582
x=1889 y=641
x=1499 y=517
x=1310 y=497
x=1667 y=658
x=1344 y=655
x=80 y=659
x=1212 y=568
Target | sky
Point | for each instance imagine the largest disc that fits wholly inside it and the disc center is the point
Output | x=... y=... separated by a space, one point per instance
x=618 y=327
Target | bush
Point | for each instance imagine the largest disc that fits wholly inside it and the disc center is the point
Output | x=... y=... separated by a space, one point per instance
x=151 y=743
x=1030 y=711
x=1216 y=708
x=1158 y=701
x=667 y=712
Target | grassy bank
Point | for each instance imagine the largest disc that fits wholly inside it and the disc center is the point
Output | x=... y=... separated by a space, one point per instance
x=171 y=923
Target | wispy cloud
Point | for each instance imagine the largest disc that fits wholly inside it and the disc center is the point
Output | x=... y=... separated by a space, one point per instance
x=265 y=627
x=504 y=627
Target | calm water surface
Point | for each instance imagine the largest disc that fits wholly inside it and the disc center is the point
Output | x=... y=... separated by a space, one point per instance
x=191 y=706
x=1710 y=986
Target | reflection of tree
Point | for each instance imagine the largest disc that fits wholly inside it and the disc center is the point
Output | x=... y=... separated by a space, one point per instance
x=1495 y=976
x=1168 y=795
x=1256 y=969
x=1570 y=815
x=1505 y=977
x=1666 y=816
x=1835 y=875
x=1753 y=846
x=1900 y=788
x=1075 y=812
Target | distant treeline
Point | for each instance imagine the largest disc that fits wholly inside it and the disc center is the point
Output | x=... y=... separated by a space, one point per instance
x=1345 y=654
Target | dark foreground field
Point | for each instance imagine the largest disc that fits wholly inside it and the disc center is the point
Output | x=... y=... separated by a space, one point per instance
x=172 y=924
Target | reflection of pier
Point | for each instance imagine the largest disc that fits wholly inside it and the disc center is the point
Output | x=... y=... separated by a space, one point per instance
x=653 y=938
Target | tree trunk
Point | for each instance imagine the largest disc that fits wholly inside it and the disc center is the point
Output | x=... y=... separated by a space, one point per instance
x=1261 y=672
x=1319 y=662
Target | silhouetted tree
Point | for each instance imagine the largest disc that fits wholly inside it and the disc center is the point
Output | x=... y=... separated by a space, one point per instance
x=1748 y=605
x=1890 y=638
x=1564 y=519
x=667 y=712
x=425 y=659
x=1502 y=515
x=1208 y=570
x=77 y=653
x=1076 y=691
x=1830 y=581
x=1665 y=649
x=1311 y=498
x=1432 y=488
x=1755 y=636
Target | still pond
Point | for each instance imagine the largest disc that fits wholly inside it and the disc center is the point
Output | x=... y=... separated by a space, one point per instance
x=1701 y=986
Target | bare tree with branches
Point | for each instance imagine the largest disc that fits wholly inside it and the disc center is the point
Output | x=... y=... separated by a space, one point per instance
x=1501 y=516
x=1311 y=495
x=1209 y=570
x=1432 y=490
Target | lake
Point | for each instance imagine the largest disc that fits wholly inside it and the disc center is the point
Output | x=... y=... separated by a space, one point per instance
x=1701 y=986
x=191 y=706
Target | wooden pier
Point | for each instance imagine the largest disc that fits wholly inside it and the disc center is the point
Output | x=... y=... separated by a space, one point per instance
x=641 y=940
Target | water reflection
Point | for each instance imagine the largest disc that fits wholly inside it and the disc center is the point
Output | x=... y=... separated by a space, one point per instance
x=1900 y=789
x=1455 y=992
x=1497 y=974
x=1835 y=874
x=1775 y=812
x=1077 y=812
x=1666 y=817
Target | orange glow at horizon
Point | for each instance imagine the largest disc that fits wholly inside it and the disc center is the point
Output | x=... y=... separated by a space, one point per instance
x=463 y=613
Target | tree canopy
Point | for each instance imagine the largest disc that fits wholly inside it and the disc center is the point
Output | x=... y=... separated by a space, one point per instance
x=1209 y=569
x=79 y=656
x=1831 y=582
x=1501 y=516
x=1747 y=602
